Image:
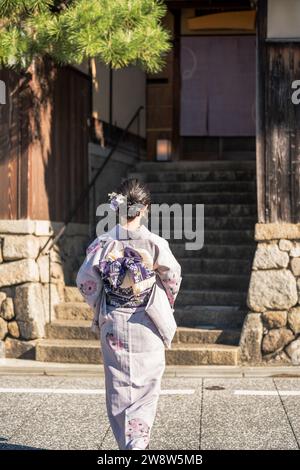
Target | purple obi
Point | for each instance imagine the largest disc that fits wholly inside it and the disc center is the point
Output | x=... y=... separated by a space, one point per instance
x=128 y=276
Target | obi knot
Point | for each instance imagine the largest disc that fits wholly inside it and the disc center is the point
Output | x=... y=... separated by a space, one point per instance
x=114 y=269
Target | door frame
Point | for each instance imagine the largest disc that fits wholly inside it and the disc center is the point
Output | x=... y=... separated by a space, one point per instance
x=176 y=10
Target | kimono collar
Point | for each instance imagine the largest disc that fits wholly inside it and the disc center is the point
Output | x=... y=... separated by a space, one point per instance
x=123 y=233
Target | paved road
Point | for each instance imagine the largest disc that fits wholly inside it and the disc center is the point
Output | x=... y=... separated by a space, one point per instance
x=193 y=413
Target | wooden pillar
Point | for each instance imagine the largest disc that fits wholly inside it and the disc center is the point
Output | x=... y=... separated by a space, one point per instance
x=278 y=127
x=176 y=86
x=261 y=60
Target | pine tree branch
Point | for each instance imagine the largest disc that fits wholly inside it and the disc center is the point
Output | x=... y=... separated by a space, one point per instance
x=116 y=32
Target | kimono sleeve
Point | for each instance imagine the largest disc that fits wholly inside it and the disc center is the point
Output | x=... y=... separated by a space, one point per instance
x=89 y=281
x=168 y=270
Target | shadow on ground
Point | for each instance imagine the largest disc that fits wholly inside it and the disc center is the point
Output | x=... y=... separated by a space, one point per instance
x=4 y=445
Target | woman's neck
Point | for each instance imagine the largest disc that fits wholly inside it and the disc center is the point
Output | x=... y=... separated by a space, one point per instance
x=131 y=224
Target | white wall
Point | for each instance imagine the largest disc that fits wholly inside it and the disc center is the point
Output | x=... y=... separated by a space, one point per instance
x=129 y=92
x=283 y=19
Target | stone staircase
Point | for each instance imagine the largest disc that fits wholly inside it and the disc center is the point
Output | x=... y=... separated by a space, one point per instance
x=211 y=306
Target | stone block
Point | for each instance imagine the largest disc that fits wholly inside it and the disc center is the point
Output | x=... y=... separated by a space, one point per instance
x=55 y=299
x=13 y=329
x=56 y=257
x=28 y=330
x=43 y=228
x=15 y=348
x=3 y=328
x=293 y=351
x=295 y=266
x=294 y=319
x=72 y=294
x=7 y=309
x=43 y=264
x=274 y=319
x=269 y=256
x=277 y=358
x=2 y=298
x=18 y=272
x=251 y=338
x=295 y=251
x=22 y=226
x=285 y=245
x=276 y=340
x=2 y=349
x=29 y=309
x=57 y=273
x=272 y=290
x=277 y=231
x=20 y=247
x=298 y=289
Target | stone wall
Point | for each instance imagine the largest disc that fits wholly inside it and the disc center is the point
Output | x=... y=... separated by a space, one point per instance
x=271 y=331
x=24 y=279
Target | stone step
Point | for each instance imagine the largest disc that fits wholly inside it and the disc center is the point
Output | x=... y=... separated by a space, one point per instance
x=188 y=311
x=229 y=210
x=68 y=351
x=212 y=316
x=243 y=252
x=70 y=329
x=207 y=175
x=74 y=329
x=73 y=311
x=72 y=294
x=229 y=223
x=221 y=237
x=204 y=198
x=199 y=187
x=186 y=165
x=232 y=223
x=239 y=282
x=225 y=210
x=215 y=265
x=187 y=335
x=206 y=354
x=211 y=297
x=88 y=352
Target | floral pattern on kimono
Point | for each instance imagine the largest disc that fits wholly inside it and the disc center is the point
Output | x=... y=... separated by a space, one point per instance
x=89 y=280
x=114 y=343
x=88 y=287
x=136 y=429
x=169 y=271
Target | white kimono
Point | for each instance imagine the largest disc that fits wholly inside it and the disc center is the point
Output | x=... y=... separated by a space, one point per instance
x=122 y=269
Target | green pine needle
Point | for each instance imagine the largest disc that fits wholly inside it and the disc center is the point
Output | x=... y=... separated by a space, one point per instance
x=117 y=32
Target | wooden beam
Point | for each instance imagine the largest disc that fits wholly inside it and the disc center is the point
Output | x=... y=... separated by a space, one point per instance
x=209 y=5
x=232 y=20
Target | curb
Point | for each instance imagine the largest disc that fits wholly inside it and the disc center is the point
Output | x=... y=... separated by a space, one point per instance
x=28 y=367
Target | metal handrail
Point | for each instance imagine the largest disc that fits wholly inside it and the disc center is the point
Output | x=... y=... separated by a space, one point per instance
x=86 y=191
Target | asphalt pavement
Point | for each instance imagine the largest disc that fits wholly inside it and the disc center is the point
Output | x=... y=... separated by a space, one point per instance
x=221 y=411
